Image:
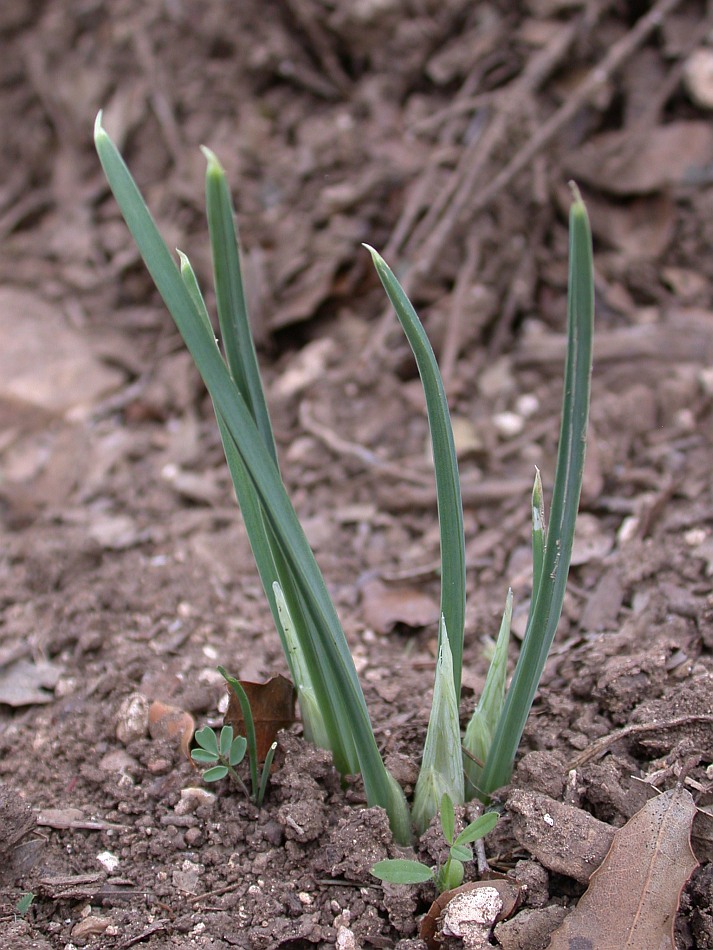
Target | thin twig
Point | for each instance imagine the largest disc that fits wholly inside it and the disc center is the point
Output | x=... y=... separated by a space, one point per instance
x=636 y=729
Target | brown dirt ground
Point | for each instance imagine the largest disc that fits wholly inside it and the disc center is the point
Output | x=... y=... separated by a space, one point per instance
x=443 y=132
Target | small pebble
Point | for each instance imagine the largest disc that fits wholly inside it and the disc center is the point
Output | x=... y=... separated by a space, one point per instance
x=108 y=860
x=508 y=424
x=118 y=761
x=193 y=798
x=132 y=721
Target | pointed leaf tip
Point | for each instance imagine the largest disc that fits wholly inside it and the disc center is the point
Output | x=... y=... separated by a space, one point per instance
x=212 y=159
x=98 y=127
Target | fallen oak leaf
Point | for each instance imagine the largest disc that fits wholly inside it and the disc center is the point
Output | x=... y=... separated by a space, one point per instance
x=272 y=704
x=633 y=897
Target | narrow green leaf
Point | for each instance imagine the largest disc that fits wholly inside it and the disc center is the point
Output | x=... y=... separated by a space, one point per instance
x=230 y=299
x=479 y=828
x=313 y=723
x=448 y=818
x=215 y=774
x=265 y=776
x=247 y=712
x=207 y=739
x=481 y=728
x=450 y=507
x=188 y=275
x=401 y=871
x=539 y=534
x=549 y=596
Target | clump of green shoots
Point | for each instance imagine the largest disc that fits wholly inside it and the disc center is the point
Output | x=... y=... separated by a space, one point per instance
x=450 y=874
x=334 y=712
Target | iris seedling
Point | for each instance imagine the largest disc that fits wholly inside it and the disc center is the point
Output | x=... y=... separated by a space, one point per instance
x=332 y=704
x=450 y=874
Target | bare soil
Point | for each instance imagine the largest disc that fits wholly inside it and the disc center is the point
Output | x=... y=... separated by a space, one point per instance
x=443 y=134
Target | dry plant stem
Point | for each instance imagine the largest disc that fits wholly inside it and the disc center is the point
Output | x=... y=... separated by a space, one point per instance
x=460 y=192
x=420 y=195
x=660 y=96
x=606 y=742
x=473 y=493
x=157 y=84
x=594 y=80
x=343 y=447
x=436 y=227
x=320 y=45
x=431 y=233
x=454 y=323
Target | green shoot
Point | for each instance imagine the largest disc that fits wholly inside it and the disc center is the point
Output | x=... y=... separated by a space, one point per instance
x=24 y=903
x=223 y=753
x=441 y=774
x=450 y=875
x=481 y=728
x=552 y=547
x=450 y=508
x=279 y=544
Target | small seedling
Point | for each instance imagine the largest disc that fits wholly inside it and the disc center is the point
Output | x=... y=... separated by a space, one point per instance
x=222 y=752
x=450 y=875
x=23 y=905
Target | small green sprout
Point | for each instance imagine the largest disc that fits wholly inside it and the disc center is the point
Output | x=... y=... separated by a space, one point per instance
x=450 y=875
x=222 y=753
x=24 y=903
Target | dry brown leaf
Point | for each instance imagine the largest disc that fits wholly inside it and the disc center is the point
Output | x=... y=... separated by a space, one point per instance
x=626 y=163
x=641 y=228
x=385 y=607
x=273 y=707
x=167 y=722
x=509 y=893
x=632 y=898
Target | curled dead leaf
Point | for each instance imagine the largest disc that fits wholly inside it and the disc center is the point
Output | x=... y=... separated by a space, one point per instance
x=385 y=607
x=503 y=902
x=168 y=722
x=273 y=707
